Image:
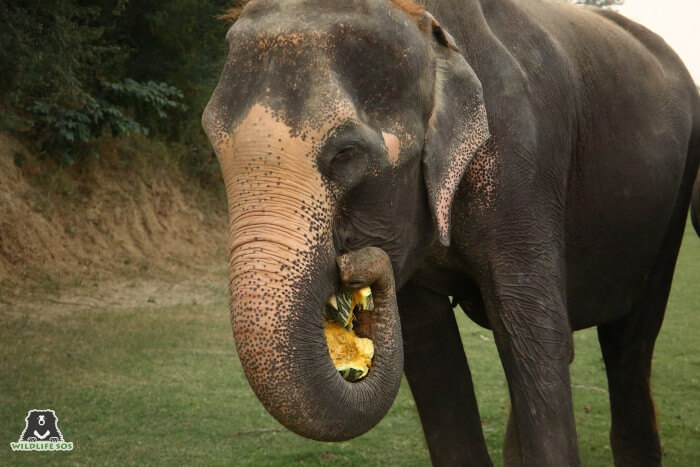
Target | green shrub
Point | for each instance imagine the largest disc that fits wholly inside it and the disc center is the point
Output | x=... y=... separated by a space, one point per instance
x=72 y=71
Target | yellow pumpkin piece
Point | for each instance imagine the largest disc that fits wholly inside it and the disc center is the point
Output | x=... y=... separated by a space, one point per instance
x=363 y=298
x=351 y=355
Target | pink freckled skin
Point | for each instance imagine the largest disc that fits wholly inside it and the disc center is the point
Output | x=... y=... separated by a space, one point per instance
x=392 y=146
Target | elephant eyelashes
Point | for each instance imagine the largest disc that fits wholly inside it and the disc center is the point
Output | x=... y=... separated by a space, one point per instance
x=348 y=165
x=345 y=154
x=344 y=159
x=350 y=154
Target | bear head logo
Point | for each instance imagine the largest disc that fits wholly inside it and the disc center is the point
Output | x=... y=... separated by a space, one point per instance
x=41 y=425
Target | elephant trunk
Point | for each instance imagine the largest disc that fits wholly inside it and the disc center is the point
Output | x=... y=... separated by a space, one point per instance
x=282 y=269
x=278 y=324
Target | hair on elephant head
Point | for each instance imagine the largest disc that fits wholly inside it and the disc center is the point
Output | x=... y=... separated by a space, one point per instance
x=339 y=126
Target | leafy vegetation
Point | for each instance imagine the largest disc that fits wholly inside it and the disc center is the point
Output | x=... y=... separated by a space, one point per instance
x=73 y=71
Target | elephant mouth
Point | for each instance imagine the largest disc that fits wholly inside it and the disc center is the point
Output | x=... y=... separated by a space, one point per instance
x=356 y=331
x=363 y=323
x=348 y=332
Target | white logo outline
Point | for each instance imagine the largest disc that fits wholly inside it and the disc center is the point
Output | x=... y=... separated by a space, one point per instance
x=36 y=441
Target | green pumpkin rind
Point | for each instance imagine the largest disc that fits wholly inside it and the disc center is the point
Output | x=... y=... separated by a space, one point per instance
x=344 y=316
x=352 y=374
x=341 y=310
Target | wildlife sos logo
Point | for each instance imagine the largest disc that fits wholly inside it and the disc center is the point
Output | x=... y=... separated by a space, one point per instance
x=41 y=433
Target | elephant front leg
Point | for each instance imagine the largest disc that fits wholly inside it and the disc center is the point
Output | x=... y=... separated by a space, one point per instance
x=525 y=305
x=440 y=380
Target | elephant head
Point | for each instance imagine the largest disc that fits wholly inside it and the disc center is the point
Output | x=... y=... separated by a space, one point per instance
x=342 y=130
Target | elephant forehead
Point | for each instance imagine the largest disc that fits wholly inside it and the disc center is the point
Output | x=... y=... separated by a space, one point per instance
x=263 y=130
x=383 y=63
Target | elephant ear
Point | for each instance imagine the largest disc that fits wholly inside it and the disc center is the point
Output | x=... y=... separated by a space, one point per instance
x=457 y=126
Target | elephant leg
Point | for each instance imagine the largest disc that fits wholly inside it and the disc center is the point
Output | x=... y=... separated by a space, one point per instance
x=511 y=448
x=438 y=374
x=627 y=346
x=526 y=308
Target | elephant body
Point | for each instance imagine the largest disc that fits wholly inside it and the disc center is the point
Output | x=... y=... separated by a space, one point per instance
x=609 y=175
x=533 y=160
x=570 y=217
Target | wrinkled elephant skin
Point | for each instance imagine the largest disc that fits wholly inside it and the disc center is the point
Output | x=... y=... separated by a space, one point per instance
x=532 y=160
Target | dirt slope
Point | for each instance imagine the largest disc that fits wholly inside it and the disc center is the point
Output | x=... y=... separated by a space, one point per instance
x=109 y=217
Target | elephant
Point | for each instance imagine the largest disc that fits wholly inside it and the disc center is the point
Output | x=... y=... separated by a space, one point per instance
x=532 y=162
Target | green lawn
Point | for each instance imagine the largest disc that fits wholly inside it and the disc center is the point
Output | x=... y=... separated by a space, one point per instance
x=163 y=385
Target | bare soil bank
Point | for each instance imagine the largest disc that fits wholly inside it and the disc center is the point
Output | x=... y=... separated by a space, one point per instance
x=124 y=214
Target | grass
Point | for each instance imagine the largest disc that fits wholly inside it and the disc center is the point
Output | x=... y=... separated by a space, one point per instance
x=163 y=386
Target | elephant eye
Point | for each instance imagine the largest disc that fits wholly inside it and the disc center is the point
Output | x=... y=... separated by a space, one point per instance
x=348 y=155
x=348 y=165
x=346 y=152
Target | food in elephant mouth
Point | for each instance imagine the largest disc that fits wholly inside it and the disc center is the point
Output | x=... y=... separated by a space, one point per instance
x=351 y=354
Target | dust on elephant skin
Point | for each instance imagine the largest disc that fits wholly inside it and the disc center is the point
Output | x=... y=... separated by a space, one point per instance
x=497 y=153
